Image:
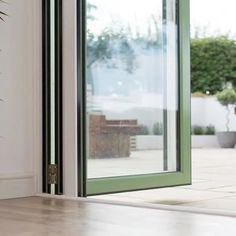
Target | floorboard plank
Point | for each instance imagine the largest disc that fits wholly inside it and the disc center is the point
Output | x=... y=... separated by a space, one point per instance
x=45 y=216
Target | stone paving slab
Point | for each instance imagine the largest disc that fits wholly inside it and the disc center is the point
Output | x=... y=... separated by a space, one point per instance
x=169 y=196
x=214 y=184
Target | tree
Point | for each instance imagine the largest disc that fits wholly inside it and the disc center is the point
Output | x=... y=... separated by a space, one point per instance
x=108 y=47
x=213 y=64
x=226 y=98
x=116 y=48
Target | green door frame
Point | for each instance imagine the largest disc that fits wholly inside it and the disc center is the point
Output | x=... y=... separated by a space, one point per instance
x=88 y=187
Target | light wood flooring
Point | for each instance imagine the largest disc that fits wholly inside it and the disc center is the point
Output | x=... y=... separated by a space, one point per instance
x=44 y=216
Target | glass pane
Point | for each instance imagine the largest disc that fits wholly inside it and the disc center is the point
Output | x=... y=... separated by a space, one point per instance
x=132 y=87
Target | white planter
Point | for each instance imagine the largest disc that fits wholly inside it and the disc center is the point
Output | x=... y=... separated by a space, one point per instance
x=152 y=142
x=226 y=139
x=204 y=141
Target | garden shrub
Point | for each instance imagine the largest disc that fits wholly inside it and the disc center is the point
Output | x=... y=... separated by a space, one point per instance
x=213 y=64
x=157 y=128
x=198 y=130
x=143 y=130
x=210 y=130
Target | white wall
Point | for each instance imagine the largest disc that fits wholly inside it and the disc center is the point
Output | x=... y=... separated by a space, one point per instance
x=20 y=112
x=205 y=141
x=149 y=142
x=70 y=98
x=152 y=142
x=207 y=110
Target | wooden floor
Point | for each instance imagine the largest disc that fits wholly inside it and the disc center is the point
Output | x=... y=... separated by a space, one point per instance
x=46 y=217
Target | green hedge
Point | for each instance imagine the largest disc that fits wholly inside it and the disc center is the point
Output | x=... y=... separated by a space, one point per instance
x=213 y=64
x=202 y=130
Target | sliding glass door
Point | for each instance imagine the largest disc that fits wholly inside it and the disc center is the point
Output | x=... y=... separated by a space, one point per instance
x=133 y=95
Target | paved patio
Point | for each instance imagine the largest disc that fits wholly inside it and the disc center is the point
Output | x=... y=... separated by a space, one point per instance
x=139 y=162
x=214 y=184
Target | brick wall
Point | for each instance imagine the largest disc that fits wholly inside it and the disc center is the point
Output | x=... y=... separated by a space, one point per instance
x=110 y=138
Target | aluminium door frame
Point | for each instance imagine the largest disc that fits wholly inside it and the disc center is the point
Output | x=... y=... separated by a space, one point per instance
x=46 y=98
x=87 y=187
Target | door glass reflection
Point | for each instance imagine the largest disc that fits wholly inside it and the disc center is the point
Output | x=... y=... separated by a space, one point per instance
x=132 y=87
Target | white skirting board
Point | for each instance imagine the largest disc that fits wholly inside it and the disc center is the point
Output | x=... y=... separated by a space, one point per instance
x=17 y=185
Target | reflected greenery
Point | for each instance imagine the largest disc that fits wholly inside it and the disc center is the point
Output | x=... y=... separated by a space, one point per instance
x=115 y=46
x=108 y=47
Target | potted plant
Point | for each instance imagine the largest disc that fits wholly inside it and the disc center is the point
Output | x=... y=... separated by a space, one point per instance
x=227 y=97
